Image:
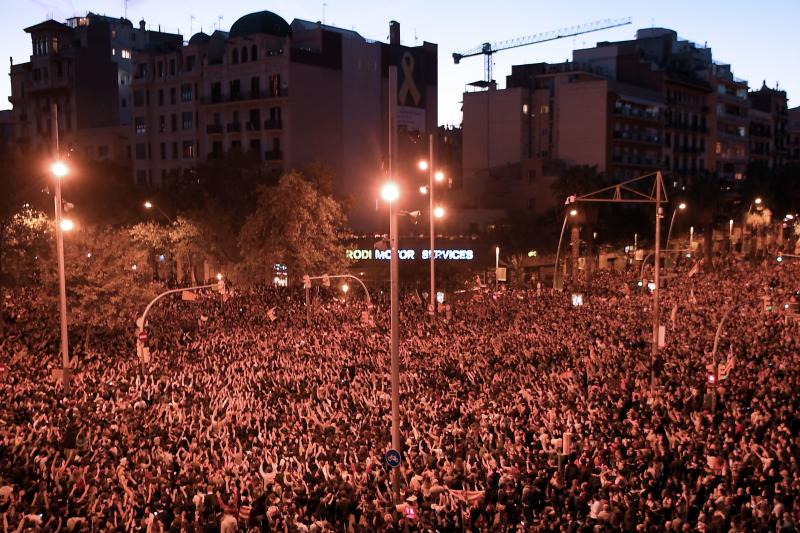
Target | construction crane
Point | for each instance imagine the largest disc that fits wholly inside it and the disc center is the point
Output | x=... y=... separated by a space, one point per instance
x=488 y=49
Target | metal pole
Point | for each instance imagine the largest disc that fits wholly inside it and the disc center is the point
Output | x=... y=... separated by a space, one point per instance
x=433 y=234
x=669 y=232
x=657 y=267
x=394 y=285
x=62 y=285
x=558 y=251
x=496 y=266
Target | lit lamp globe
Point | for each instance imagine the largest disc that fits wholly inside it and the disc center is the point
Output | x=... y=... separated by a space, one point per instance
x=439 y=176
x=66 y=224
x=390 y=192
x=423 y=165
x=59 y=169
x=438 y=212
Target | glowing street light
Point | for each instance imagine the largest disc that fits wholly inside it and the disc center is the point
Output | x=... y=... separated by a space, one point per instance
x=438 y=212
x=757 y=201
x=59 y=169
x=423 y=165
x=390 y=192
x=66 y=224
x=219 y=276
x=345 y=288
x=148 y=205
x=681 y=207
x=423 y=189
x=134 y=267
x=439 y=176
x=571 y=213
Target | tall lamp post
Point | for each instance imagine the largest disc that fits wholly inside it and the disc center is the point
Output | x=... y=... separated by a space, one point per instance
x=570 y=213
x=60 y=170
x=149 y=205
x=680 y=207
x=435 y=212
x=390 y=193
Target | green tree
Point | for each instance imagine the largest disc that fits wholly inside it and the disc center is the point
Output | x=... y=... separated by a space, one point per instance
x=27 y=239
x=294 y=224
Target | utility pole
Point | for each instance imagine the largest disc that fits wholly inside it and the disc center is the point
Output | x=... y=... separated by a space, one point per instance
x=62 y=285
x=433 y=234
x=657 y=290
x=394 y=285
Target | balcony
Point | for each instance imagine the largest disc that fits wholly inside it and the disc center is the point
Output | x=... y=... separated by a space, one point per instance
x=273 y=155
x=252 y=126
x=242 y=97
x=214 y=128
x=637 y=113
x=234 y=127
x=635 y=136
x=634 y=160
x=272 y=124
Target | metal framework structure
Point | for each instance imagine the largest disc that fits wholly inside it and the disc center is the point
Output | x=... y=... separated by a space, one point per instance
x=623 y=193
x=488 y=49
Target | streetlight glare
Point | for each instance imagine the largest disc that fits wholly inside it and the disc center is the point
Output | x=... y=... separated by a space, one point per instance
x=438 y=212
x=439 y=176
x=682 y=206
x=66 y=224
x=345 y=288
x=148 y=205
x=573 y=212
x=390 y=192
x=423 y=189
x=758 y=200
x=219 y=276
x=423 y=165
x=59 y=169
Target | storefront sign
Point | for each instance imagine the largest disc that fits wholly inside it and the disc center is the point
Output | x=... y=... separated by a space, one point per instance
x=407 y=254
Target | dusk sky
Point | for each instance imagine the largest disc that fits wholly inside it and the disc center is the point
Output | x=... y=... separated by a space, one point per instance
x=760 y=39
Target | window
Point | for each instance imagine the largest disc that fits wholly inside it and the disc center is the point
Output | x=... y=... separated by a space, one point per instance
x=524 y=109
x=545 y=109
x=113 y=51
x=254 y=53
x=255 y=86
x=171 y=67
x=141 y=128
x=235 y=89
x=113 y=34
x=175 y=150
x=255 y=145
x=126 y=54
x=741 y=131
x=188 y=150
x=163 y=151
x=161 y=97
x=174 y=121
x=172 y=95
x=216 y=91
x=531 y=174
x=124 y=103
x=54 y=45
x=187 y=120
x=216 y=148
x=138 y=98
x=190 y=63
x=141 y=177
x=235 y=56
x=102 y=150
x=160 y=69
x=718 y=148
x=141 y=151
x=186 y=92
x=244 y=54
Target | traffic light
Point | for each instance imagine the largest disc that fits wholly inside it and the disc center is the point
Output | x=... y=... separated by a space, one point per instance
x=326 y=281
x=306 y=282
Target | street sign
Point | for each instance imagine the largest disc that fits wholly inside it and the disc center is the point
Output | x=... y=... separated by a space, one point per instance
x=142 y=336
x=393 y=458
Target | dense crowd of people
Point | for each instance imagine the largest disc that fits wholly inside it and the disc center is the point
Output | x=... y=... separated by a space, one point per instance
x=520 y=411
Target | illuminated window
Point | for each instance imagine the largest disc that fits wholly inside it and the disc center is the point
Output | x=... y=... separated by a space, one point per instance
x=113 y=51
x=718 y=148
x=141 y=127
x=126 y=54
x=545 y=109
x=524 y=109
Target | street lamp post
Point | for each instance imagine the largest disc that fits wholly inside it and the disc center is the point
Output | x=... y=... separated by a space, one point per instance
x=570 y=213
x=60 y=170
x=435 y=212
x=149 y=205
x=390 y=193
x=680 y=207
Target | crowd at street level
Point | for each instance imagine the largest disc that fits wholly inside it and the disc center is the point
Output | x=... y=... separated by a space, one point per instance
x=520 y=412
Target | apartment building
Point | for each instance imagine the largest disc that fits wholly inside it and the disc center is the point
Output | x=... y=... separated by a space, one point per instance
x=84 y=66
x=289 y=95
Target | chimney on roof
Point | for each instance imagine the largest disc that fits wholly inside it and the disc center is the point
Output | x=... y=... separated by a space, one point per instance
x=394 y=33
x=142 y=24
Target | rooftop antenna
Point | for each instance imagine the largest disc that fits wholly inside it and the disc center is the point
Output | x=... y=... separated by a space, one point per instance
x=219 y=22
x=324 y=7
x=416 y=39
x=191 y=25
x=126 y=8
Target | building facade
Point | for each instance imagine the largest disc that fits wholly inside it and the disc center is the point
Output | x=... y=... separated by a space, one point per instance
x=289 y=95
x=85 y=67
